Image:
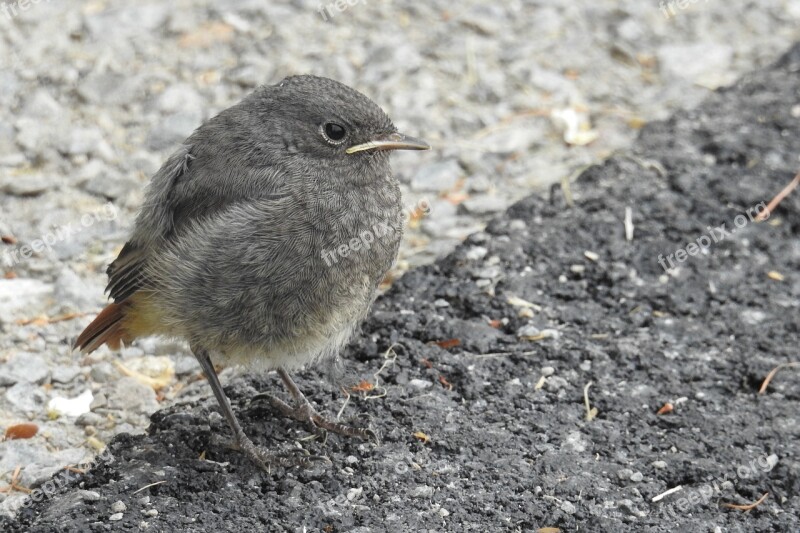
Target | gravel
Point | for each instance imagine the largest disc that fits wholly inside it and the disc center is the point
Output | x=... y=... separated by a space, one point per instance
x=94 y=95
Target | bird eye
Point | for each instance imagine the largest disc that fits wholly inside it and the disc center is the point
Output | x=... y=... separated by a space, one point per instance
x=334 y=133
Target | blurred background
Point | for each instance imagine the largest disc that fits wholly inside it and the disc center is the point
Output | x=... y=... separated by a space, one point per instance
x=514 y=97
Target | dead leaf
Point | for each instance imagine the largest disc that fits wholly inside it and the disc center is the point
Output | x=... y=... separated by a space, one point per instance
x=363 y=386
x=747 y=507
x=21 y=431
x=666 y=408
x=422 y=436
x=447 y=344
x=775 y=275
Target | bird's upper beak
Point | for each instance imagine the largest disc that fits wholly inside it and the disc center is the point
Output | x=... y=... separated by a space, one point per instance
x=390 y=141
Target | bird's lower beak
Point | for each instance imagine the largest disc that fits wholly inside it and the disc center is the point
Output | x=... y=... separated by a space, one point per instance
x=391 y=141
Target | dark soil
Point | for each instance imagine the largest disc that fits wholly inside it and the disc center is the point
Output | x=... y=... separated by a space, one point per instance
x=504 y=454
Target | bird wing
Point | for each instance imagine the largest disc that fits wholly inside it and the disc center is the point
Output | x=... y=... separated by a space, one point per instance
x=205 y=175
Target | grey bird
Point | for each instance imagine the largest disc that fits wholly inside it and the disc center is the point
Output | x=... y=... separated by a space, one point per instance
x=231 y=249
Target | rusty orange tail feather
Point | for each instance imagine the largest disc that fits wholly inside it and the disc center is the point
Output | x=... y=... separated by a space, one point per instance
x=108 y=328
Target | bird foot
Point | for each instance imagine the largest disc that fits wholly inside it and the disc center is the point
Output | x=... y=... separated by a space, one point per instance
x=266 y=461
x=316 y=423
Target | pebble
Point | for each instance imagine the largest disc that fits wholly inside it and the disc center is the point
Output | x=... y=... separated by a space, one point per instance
x=30 y=185
x=64 y=373
x=27 y=398
x=24 y=367
x=528 y=330
x=422 y=491
x=131 y=396
x=74 y=293
x=103 y=371
x=89 y=495
x=116 y=517
x=484 y=204
x=22 y=298
x=118 y=506
x=624 y=473
x=420 y=384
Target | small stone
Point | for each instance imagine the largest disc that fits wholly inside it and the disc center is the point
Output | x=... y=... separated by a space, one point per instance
x=625 y=473
x=419 y=383
x=23 y=367
x=151 y=512
x=89 y=495
x=26 y=397
x=186 y=364
x=484 y=204
x=179 y=97
x=660 y=465
x=490 y=272
x=119 y=506
x=528 y=330
x=441 y=303
x=103 y=372
x=112 y=186
x=64 y=374
x=554 y=383
x=42 y=105
x=23 y=297
x=422 y=491
x=81 y=141
x=636 y=477
x=173 y=129
x=129 y=395
x=72 y=290
x=476 y=252
x=548 y=371
x=90 y=419
x=28 y=185
x=115 y=517
x=568 y=507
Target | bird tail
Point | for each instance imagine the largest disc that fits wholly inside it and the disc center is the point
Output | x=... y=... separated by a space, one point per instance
x=108 y=328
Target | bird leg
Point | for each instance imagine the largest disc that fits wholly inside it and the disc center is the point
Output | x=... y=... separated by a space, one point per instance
x=305 y=412
x=257 y=455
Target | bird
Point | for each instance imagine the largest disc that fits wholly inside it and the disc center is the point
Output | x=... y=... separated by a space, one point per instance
x=256 y=244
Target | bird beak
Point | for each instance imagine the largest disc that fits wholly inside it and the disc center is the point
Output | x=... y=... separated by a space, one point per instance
x=390 y=141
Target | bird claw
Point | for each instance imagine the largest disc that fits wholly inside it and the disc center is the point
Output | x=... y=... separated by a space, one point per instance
x=316 y=423
x=266 y=461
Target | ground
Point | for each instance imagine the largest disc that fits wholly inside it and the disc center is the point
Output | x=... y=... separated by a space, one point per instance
x=483 y=367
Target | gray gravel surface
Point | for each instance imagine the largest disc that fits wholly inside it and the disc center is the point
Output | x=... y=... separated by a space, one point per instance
x=94 y=95
x=520 y=382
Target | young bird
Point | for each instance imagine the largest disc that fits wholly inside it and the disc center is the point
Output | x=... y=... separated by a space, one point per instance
x=232 y=248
